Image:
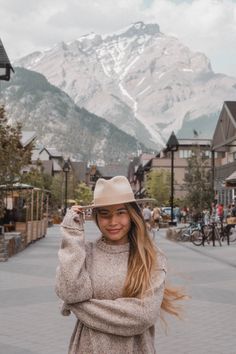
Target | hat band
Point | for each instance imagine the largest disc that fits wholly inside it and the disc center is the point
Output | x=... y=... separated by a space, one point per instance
x=119 y=199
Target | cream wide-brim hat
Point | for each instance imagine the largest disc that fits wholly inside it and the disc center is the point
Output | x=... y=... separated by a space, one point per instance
x=116 y=190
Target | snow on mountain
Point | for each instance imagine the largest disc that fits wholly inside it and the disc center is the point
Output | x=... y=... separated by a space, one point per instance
x=141 y=80
x=39 y=106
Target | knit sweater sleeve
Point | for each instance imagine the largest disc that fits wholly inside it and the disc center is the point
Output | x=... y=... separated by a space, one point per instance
x=123 y=316
x=73 y=283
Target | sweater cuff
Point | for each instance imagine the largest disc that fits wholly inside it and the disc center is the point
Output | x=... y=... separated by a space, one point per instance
x=73 y=220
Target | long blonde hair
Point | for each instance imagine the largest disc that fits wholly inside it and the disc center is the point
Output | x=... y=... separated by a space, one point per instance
x=142 y=262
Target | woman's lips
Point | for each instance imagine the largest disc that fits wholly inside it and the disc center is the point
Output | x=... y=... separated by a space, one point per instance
x=114 y=231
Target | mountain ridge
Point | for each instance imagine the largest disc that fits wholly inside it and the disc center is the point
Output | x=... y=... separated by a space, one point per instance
x=29 y=98
x=146 y=83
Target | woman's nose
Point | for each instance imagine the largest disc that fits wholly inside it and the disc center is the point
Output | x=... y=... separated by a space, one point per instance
x=113 y=218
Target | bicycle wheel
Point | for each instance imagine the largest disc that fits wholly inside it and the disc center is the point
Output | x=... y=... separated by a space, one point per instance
x=232 y=235
x=183 y=235
x=218 y=236
x=207 y=234
x=197 y=237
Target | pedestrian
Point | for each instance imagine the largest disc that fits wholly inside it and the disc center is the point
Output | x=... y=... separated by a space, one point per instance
x=177 y=213
x=206 y=216
x=114 y=286
x=156 y=217
x=233 y=210
x=147 y=215
x=220 y=212
x=184 y=213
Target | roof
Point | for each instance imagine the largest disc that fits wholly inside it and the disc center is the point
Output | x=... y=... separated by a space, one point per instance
x=113 y=170
x=225 y=132
x=80 y=169
x=230 y=181
x=16 y=186
x=27 y=137
x=5 y=62
x=53 y=152
x=232 y=177
x=205 y=142
x=144 y=158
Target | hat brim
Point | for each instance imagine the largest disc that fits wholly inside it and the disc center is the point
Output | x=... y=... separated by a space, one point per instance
x=94 y=206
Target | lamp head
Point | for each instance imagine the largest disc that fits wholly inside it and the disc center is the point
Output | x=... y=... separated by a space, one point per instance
x=66 y=166
x=172 y=144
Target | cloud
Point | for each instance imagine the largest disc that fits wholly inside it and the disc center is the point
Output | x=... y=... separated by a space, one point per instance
x=208 y=26
x=33 y=25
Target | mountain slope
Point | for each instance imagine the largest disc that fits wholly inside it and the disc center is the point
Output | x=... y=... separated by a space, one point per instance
x=143 y=81
x=40 y=106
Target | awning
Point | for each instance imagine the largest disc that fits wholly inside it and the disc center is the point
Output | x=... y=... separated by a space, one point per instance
x=230 y=181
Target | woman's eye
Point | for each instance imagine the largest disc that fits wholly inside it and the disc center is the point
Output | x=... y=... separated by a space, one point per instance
x=122 y=212
x=104 y=213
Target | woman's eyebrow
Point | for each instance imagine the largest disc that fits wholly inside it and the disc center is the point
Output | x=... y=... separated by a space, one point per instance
x=119 y=209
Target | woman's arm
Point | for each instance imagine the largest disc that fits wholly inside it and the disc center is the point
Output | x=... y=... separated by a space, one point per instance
x=73 y=283
x=123 y=316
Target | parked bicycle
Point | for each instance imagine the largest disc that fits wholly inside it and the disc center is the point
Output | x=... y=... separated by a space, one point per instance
x=193 y=233
x=222 y=232
x=228 y=233
x=212 y=233
x=215 y=231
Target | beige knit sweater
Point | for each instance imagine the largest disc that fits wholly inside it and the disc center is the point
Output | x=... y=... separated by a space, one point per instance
x=89 y=280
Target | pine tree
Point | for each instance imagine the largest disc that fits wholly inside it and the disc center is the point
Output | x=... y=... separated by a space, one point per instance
x=198 y=182
x=83 y=194
x=13 y=156
x=158 y=186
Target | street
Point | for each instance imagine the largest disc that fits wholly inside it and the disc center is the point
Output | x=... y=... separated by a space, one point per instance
x=30 y=320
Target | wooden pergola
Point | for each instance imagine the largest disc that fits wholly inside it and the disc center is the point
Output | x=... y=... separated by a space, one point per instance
x=31 y=206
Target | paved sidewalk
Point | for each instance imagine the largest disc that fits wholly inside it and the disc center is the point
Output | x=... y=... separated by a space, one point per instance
x=30 y=322
x=209 y=276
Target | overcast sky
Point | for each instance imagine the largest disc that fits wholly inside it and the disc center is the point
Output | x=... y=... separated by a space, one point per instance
x=208 y=26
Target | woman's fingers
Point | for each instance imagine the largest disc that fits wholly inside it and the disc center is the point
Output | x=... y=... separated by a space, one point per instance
x=77 y=208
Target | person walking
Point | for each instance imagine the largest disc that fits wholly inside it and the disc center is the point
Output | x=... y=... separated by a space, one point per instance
x=156 y=217
x=114 y=286
x=220 y=212
x=147 y=215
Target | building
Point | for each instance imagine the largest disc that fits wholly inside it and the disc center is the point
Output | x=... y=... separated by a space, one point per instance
x=224 y=149
x=52 y=160
x=5 y=65
x=108 y=171
x=162 y=161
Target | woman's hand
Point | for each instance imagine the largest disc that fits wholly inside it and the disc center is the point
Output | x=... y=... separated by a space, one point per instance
x=78 y=209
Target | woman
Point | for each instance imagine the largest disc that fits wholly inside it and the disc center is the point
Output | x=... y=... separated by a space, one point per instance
x=116 y=285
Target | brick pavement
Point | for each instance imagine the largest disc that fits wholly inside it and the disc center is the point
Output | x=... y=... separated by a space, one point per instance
x=30 y=322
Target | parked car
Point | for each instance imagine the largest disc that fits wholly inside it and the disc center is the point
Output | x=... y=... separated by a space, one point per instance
x=166 y=213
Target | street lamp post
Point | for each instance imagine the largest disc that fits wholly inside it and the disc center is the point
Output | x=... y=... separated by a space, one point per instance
x=66 y=170
x=172 y=145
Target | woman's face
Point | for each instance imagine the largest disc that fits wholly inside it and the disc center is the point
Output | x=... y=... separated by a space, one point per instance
x=114 y=222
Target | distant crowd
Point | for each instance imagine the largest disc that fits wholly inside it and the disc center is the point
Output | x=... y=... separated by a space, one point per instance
x=218 y=212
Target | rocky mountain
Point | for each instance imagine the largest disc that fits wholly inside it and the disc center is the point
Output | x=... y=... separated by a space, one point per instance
x=141 y=80
x=29 y=98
